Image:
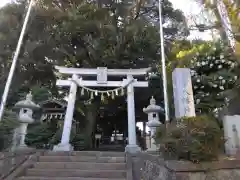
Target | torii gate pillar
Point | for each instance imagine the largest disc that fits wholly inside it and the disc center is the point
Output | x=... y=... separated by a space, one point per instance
x=132 y=146
x=67 y=127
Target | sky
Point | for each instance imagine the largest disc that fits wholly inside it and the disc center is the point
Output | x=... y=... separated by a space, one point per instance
x=192 y=11
x=3 y=2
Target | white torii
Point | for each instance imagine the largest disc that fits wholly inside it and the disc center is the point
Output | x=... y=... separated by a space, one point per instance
x=101 y=73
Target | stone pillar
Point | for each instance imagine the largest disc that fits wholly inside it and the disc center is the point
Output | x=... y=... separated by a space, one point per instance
x=231 y=125
x=152 y=146
x=23 y=132
x=65 y=141
x=15 y=139
x=148 y=140
x=183 y=93
x=132 y=146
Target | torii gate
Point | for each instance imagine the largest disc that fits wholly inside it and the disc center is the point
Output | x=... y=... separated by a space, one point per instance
x=101 y=73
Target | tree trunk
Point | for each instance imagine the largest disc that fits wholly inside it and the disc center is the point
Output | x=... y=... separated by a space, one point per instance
x=91 y=115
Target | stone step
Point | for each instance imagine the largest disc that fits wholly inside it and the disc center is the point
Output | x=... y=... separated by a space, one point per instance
x=86 y=153
x=80 y=165
x=81 y=159
x=76 y=173
x=64 y=178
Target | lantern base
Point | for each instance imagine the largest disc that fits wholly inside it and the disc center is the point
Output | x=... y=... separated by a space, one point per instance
x=22 y=147
x=152 y=149
x=63 y=147
x=132 y=149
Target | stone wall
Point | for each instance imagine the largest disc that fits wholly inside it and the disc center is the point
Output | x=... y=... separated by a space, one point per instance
x=151 y=167
x=9 y=161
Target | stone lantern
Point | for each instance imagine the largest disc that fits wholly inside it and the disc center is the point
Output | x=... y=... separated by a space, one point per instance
x=153 y=121
x=26 y=108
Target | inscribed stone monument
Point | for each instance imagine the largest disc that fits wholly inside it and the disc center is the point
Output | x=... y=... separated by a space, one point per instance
x=183 y=93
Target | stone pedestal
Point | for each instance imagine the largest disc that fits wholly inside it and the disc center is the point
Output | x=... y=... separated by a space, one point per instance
x=231 y=140
x=183 y=93
x=19 y=138
x=15 y=139
x=132 y=149
x=148 y=142
x=22 y=132
x=153 y=147
x=63 y=147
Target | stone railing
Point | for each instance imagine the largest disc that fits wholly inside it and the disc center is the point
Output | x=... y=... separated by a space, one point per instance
x=151 y=167
x=10 y=161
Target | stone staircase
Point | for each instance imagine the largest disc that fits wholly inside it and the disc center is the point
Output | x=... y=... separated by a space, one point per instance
x=89 y=165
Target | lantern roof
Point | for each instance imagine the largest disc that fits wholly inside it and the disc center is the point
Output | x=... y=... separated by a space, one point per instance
x=153 y=108
x=27 y=103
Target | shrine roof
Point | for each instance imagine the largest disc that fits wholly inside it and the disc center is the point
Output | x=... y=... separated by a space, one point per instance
x=61 y=103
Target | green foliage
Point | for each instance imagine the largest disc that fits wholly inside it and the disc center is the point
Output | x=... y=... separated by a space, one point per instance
x=232 y=11
x=85 y=34
x=39 y=134
x=48 y=134
x=81 y=33
x=214 y=77
x=81 y=142
x=7 y=126
x=195 y=139
x=214 y=70
x=187 y=50
x=40 y=93
x=78 y=141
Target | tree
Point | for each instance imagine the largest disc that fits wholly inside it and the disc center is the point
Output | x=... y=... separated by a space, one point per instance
x=82 y=34
x=7 y=127
x=89 y=34
x=31 y=69
x=233 y=11
x=213 y=76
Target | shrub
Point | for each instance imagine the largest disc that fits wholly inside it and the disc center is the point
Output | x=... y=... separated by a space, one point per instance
x=195 y=139
x=78 y=141
x=81 y=142
x=46 y=135
x=39 y=134
x=7 y=127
